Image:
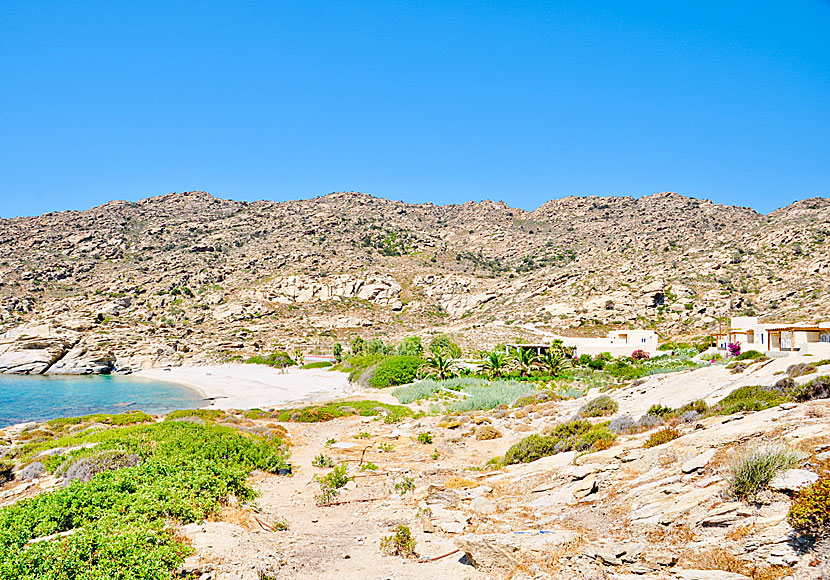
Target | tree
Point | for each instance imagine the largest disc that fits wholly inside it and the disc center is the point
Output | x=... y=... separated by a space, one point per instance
x=411 y=346
x=553 y=361
x=443 y=342
x=439 y=365
x=337 y=351
x=358 y=346
x=525 y=360
x=495 y=364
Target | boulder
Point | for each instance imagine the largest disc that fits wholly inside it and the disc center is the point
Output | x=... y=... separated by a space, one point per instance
x=793 y=479
x=709 y=575
x=697 y=462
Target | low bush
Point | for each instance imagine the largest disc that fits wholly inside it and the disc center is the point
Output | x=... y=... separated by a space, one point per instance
x=417 y=391
x=120 y=420
x=750 y=398
x=487 y=432
x=278 y=359
x=401 y=543
x=322 y=461
x=6 y=471
x=753 y=469
x=658 y=410
x=331 y=483
x=750 y=355
x=623 y=424
x=800 y=369
x=664 y=435
x=649 y=421
x=818 y=388
x=424 y=438
x=327 y=412
x=578 y=435
x=86 y=467
x=121 y=518
x=203 y=414
x=491 y=395
x=396 y=370
x=323 y=364
x=599 y=407
x=810 y=510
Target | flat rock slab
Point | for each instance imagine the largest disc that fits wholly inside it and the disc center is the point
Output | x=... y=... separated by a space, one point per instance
x=793 y=479
x=499 y=554
x=698 y=462
x=709 y=575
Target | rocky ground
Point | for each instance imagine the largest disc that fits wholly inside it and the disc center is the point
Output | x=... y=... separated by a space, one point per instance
x=625 y=512
x=192 y=278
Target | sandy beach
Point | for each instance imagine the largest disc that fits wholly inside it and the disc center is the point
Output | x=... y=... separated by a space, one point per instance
x=237 y=386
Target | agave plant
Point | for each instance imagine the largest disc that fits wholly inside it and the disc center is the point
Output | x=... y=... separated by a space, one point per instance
x=439 y=365
x=495 y=364
x=525 y=360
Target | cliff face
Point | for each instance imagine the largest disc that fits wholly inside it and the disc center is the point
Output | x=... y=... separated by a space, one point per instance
x=189 y=276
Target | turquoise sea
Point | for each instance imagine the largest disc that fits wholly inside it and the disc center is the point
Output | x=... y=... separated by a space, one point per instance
x=38 y=398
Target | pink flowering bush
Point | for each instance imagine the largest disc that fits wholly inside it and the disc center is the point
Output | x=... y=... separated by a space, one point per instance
x=734 y=348
x=640 y=354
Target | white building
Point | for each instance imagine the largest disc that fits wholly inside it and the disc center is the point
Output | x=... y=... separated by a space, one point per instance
x=797 y=338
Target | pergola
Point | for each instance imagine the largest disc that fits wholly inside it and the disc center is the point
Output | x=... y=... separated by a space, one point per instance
x=791 y=330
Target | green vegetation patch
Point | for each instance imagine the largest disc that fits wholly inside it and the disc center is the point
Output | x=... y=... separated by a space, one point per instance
x=317 y=365
x=117 y=522
x=750 y=398
x=810 y=510
x=331 y=411
x=600 y=407
x=121 y=420
x=753 y=469
x=579 y=435
x=278 y=359
x=396 y=370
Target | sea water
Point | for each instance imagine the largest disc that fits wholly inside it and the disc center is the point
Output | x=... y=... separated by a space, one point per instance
x=38 y=398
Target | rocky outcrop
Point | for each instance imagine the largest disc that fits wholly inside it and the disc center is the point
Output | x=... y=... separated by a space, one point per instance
x=201 y=278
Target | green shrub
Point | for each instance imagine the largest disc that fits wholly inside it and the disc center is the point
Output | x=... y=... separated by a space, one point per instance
x=660 y=411
x=329 y=411
x=750 y=355
x=322 y=461
x=278 y=359
x=578 y=435
x=411 y=346
x=203 y=414
x=818 y=388
x=700 y=406
x=441 y=342
x=120 y=517
x=131 y=418
x=753 y=469
x=661 y=436
x=396 y=370
x=425 y=438
x=489 y=395
x=401 y=543
x=256 y=414
x=751 y=398
x=800 y=369
x=360 y=364
x=317 y=365
x=6 y=471
x=600 y=407
x=810 y=510
x=331 y=483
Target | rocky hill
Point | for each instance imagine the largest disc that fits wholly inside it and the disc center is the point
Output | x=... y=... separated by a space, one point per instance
x=190 y=277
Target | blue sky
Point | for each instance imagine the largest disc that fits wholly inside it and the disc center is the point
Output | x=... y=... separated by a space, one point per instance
x=419 y=101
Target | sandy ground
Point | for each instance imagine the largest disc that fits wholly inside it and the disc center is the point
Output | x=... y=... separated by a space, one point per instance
x=236 y=386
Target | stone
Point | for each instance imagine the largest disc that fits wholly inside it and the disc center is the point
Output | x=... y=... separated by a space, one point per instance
x=793 y=480
x=709 y=575
x=697 y=462
x=482 y=506
x=501 y=553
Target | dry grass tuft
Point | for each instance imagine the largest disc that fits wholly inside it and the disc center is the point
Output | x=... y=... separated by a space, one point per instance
x=740 y=532
x=459 y=483
x=720 y=559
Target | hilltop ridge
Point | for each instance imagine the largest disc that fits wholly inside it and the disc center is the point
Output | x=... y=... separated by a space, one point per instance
x=190 y=276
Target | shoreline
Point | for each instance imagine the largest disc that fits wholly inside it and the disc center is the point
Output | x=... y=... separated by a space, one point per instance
x=242 y=386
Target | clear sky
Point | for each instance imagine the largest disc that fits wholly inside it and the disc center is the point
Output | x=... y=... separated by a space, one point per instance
x=419 y=101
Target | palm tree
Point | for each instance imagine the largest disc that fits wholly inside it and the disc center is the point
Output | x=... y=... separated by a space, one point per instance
x=439 y=365
x=525 y=360
x=553 y=361
x=495 y=364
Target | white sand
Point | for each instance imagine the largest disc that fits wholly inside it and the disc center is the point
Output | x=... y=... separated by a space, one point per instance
x=238 y=386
